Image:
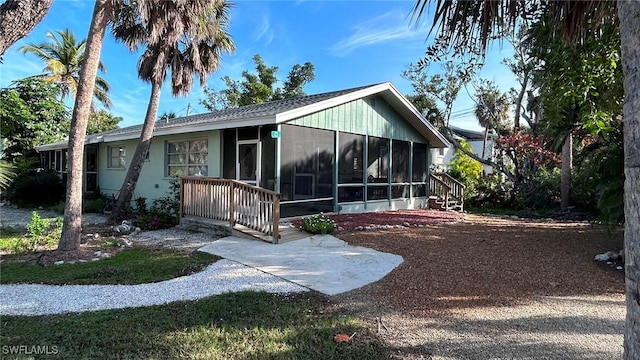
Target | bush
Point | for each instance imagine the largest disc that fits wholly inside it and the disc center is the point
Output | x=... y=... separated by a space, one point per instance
x=491 y=192
x=40 y=232
x=155 y=221
x=466 y=170
x=540 y=191
x=37 y=188
x=318 y=224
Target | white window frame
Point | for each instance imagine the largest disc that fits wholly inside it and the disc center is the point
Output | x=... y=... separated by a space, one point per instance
x=187 y=164
x=121 y=158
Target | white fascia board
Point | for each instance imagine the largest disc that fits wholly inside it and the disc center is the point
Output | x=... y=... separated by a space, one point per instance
x=329 y=103
x=186 y=129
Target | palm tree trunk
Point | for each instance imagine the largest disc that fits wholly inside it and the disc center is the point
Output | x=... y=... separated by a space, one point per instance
x=123 y=204
x=629 y=13
x=72 y=225
x=484 y=141
x=565 y=177
x=18 y=18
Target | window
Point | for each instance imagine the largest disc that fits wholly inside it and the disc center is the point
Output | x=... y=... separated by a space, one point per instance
x=351 y=158
x=116 y=157
x=187 y=158
x=378 y=158
x=419 y=163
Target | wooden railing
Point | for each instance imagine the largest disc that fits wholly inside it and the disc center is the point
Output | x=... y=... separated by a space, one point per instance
x=446 y=188
x=456 y=187
x=233 y=201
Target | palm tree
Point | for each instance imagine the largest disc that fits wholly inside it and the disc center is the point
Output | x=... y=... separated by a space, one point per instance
x=465 y=24
x=492 y=109
x=63 y=56
x=185 y=37
x=72 y=225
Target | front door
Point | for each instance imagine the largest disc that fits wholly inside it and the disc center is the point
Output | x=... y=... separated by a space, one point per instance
x=248 y=164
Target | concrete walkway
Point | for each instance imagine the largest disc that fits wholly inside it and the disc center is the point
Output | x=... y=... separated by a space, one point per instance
x=321 y=262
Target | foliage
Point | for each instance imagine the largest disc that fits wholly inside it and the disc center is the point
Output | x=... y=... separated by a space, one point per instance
x=163 y=212
x=598 y=177
x=527 y=153
x=181 y=38
x=259 y=87
x=31 y=114
x=318 y=224
x=7 y=174
x=466 y=170
x=245 y=325
x=128 y=267
x=492 y=107
x=101 y=121
x=36 y=188
x=40 y=233
x=440 y=89
x=63 y=57
x=492 y=191
x=541 y=190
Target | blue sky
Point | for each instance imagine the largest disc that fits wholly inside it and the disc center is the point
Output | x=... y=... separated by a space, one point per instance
x=350 y=43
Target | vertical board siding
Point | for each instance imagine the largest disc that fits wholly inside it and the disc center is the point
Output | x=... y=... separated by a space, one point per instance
x=368 y=116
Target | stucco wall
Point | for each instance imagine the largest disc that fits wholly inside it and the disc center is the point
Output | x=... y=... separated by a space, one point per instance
x=153 y=182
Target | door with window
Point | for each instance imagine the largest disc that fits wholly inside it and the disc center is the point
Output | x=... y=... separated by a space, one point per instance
x=248 y=164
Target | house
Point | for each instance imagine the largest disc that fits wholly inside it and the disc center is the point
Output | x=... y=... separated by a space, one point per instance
x=441 y=157
x=353 y=150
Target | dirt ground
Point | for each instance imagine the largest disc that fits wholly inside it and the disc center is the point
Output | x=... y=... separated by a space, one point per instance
x=488 y=287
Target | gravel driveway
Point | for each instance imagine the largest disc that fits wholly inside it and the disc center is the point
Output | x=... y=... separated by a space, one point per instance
x=495 y=288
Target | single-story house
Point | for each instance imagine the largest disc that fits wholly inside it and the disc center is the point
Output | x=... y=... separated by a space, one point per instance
x=353 y=150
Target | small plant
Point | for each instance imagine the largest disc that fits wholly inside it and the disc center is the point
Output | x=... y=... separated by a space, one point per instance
x=318 y=224
x=40 y=232
x=141 y=204
x=111 y=243
x=155 y=221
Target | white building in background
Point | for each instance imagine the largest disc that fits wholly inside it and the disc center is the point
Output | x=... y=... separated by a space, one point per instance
x=441 y=157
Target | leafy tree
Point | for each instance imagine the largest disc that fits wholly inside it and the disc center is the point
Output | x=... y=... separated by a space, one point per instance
x=72 y=225
x=259 y=87
x=101 y=121
x=63 y=56
x=18 y=17
x=466 y=169
x=470 y=25
x=181 y=37
x=31 y=114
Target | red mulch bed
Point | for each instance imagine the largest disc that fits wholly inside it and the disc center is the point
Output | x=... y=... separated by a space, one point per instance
x=395 y=218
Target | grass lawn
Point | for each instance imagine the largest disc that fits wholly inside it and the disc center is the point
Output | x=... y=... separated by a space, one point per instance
x=135 y=266
x=246 y=325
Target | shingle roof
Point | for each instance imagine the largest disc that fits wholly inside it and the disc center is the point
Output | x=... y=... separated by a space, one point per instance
x=244 y=112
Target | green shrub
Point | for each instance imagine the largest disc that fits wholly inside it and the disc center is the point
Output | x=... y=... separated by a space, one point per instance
x=40 y=232
x=318 y=224
x=155 y=221
x=466 y=170
x=540 y=191
x=491 y=192
x=37 y=188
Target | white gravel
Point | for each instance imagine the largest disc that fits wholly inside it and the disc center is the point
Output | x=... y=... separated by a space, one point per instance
x=222 y=277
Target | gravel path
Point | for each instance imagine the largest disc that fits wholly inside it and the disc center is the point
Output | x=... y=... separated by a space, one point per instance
x=222 y=277
x=12 y=217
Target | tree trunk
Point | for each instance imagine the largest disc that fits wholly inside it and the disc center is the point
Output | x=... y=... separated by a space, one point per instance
x=629 y=14
x=72 y=226
x=523 y=91
x=123 y=204
x=484 y=142
x=18 y=18
x=565 y=178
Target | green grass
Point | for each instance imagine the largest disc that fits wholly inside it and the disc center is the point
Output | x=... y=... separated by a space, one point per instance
x=11 y=239
x=245 y=325
x=135 y=266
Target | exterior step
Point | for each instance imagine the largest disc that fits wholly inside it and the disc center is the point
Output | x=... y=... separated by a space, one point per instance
x=207 y=226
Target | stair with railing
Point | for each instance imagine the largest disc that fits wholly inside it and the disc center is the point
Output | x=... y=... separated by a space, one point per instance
x=445 y=192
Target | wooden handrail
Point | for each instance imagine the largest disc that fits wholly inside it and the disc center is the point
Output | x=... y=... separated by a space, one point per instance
x=439 y=188
x=456 y=188
x=233 y=201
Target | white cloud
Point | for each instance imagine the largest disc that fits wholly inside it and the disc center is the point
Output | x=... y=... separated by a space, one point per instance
x=389 y=27
x=265 y=33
